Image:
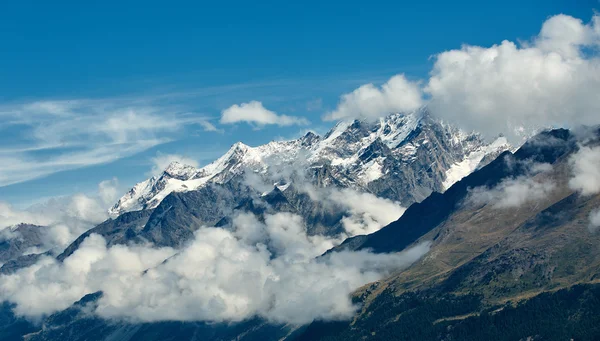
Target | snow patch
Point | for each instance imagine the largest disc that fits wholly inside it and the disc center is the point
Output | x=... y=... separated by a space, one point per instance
x=372 y=172
x=282 y=188
x=461 y=169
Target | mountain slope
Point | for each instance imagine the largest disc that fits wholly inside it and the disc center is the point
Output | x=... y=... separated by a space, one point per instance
x=491 y=260
x=425 y=216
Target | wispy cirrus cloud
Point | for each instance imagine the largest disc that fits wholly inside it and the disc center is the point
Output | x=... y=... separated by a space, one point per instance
x=44 y=137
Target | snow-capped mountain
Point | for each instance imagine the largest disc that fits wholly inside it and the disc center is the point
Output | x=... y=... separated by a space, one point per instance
x=403 y=157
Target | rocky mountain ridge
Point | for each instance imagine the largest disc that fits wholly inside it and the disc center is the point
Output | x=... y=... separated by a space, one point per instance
x=403 y=157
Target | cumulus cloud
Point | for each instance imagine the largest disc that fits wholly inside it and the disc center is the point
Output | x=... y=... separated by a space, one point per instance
x=364 y=213
x=63 y=218
x=585 y=177
x=161 y=161
x=509 y=88
x=511 y=193
x=49 y=286
x=371 y=102
x=367 y=213
x=10 y=216
x=518 y=88
x=585 y=167
x=255 y=112
x=266 y=269
x=108 y=191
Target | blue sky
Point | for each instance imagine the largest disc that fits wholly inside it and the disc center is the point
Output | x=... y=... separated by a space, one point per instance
x=179 y=66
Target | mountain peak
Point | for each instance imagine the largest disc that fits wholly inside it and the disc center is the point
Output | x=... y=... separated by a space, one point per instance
x=239 y=146
x=180 y=171
x=174 y=165
x=309 y=139
x=310 y=134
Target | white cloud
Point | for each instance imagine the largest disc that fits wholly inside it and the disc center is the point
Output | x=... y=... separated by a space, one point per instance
x=367 y=212
x=207 y=126
x=220 y=276
x=64 y=218
x=565 y=35
x=370 y=102
x=53 y=136
x=49 y=285
x=585 y=167
x=10 y=216
x=108 y=191
x=512 y=193
x=161 y=161
x=255 y=112
x=516 y=89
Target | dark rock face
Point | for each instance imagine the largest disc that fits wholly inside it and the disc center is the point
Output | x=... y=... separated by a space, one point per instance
x=174 y=221
x=412 y=167
x=21 y=262
x=18 y=240
x=411 y=178
x=180 y=214
x=320 y=219
x=115 y=231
